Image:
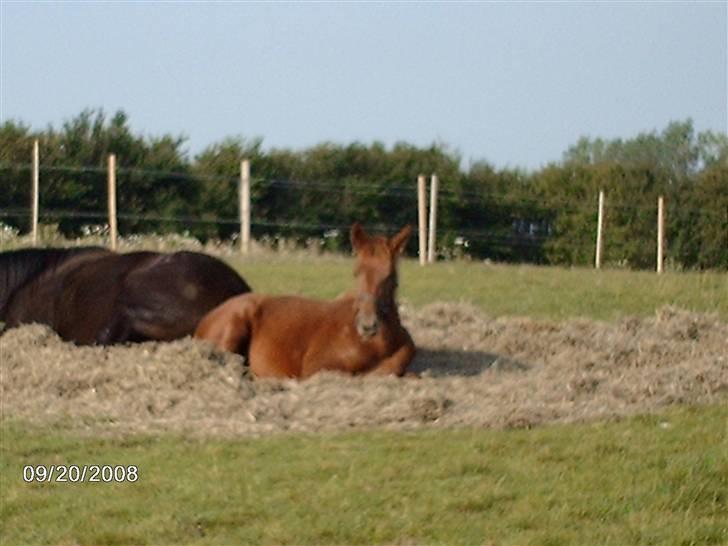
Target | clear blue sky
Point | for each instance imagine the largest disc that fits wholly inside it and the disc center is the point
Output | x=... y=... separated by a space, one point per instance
x=514 y=84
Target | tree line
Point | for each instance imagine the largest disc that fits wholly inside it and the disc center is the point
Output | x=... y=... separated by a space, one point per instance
x=546 y=216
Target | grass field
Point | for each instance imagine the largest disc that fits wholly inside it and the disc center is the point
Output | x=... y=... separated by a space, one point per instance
x=660 y=479
x=648 y=480
x=543 y=292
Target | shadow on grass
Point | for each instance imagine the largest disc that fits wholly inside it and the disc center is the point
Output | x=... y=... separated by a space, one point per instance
x=450 y=362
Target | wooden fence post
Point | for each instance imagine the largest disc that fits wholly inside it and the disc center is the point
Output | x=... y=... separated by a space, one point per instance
x=34 y=194
x=422 y=217
x=600 y=223
x=245 y=206
x=433 y=220
x=112 y=201
x=660 y=233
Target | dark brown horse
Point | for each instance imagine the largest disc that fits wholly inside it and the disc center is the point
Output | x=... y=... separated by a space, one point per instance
x=92 y=295
x=296 y=337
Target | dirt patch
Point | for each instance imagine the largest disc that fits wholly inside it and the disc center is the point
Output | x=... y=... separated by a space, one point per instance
x=476 y=371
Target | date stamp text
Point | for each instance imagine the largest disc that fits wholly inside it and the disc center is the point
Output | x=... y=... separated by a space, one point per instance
x=93 y=473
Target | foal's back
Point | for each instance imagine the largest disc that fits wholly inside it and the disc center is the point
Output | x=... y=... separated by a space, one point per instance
x=283 y=335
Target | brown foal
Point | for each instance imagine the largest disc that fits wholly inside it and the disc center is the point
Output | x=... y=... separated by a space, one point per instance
x=289 y=336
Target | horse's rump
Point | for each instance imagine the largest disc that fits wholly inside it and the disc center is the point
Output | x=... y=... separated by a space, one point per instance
x=167 y=296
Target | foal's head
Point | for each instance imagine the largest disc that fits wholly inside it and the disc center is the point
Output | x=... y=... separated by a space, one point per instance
x=376 y=274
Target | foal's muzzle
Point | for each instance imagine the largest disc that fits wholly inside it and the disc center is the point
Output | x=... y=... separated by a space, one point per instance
x=366 y=328
x=367 y=323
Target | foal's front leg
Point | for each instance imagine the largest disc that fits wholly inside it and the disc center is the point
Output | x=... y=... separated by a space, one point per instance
x=396 y=364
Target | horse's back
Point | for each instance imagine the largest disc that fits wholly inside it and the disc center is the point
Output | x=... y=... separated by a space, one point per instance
x=98 y=296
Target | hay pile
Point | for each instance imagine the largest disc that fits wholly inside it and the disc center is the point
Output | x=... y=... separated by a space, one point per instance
x=477 y=371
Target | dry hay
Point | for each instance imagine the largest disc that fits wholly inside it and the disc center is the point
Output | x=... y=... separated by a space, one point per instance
x=476 y=372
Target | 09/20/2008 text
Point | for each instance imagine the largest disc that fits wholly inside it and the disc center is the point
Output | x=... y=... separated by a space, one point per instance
x=80 y=473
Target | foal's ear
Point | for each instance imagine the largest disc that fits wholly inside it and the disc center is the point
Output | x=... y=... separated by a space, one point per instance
x=399 y=241
x=358 y=236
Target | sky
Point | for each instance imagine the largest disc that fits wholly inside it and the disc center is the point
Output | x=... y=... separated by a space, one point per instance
x=514 y=84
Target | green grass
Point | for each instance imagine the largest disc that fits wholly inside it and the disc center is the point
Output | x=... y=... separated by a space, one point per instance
x=544 y=292
x=648 y=480
x=498 y=289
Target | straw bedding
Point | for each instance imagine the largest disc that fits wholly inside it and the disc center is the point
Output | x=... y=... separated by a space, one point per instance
x=475 y=371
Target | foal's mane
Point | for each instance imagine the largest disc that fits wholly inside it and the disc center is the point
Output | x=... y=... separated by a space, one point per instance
x=19 y=267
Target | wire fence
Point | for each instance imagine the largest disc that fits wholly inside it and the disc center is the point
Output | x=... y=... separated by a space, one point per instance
x=100 y=220
x=526 y=221
x=351 y=184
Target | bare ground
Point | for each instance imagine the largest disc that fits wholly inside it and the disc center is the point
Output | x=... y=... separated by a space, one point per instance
x=476 y=372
